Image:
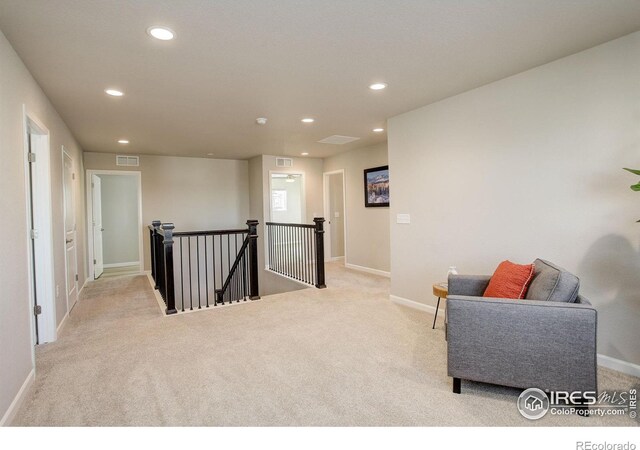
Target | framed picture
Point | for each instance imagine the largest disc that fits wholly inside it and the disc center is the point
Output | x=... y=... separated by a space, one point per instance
x=376 y=187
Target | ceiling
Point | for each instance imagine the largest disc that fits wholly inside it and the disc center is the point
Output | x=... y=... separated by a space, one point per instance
x=235 y=60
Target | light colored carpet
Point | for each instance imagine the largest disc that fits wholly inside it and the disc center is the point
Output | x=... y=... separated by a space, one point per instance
x=341 y=356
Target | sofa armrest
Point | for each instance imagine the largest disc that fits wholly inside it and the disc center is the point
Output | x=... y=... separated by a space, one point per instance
x=522 y=343
x=473 y=285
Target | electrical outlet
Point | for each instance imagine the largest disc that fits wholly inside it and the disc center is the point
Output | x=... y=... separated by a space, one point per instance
x=403 y=218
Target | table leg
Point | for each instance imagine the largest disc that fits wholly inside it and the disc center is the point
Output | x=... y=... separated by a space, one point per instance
x=436 y=316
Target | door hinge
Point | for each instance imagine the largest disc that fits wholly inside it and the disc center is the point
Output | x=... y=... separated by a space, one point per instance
x=94 y=262
x=34 y=234
x=37 y=310
x=73 y=176
x=32 y=157
x=76 y=277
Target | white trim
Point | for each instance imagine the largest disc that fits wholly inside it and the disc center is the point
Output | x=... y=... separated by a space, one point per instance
x=86 y=281
x=89 y=191
x=378 y=272
x=327 y=213
x=62 y=323
x=288 y=278
x=619 y=365
x=163 y=307
x=64 y=234
x=412 y=304
x=335 y=259
x=45 y=282
x=18 y=399
x=124 y=264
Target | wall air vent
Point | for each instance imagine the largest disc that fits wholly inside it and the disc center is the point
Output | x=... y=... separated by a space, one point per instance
x=336 y=139
x=284 y=162
x=130 y=161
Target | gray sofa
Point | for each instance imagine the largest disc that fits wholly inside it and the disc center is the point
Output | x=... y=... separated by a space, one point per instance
x=547 y=340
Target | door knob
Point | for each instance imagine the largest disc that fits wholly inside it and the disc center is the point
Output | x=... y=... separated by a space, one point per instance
x=69 y=241
x=101 y=229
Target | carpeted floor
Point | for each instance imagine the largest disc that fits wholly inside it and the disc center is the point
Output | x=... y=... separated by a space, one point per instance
x=341 y=356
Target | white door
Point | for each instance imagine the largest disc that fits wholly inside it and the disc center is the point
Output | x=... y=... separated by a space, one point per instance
x=70 y=232
x=98 y=263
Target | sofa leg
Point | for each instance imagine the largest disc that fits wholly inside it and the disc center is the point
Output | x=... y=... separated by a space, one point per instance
x=456 y=385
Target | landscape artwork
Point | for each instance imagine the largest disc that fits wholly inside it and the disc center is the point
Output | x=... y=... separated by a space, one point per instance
x=376 y=187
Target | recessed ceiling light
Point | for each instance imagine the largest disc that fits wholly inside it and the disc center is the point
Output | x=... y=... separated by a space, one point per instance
x=162 y=33
x=305 y=153
x=209 y=154
x=123 y=141
x=114 y=92
x=378 y=86
x=308 y=120
x=378 y=130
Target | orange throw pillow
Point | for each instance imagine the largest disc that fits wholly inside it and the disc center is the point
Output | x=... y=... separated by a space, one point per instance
x=510 y=280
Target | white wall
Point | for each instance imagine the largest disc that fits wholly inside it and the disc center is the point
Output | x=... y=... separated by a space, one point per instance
x=193 y=193
x=527 y=167
x=18 y=88
x=367 y=228
x=120 y=203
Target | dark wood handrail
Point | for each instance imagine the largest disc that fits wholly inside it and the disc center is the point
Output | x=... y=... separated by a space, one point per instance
x=297 y=225
x=209 y=232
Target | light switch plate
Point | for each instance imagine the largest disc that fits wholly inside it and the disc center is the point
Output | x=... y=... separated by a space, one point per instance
x=403 y=218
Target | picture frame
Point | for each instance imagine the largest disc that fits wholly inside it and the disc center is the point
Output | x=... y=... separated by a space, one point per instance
x=376 y=187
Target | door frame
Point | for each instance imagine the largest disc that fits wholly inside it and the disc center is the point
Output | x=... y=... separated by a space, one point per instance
x=89 y=191
x=327 y=213
x=64 y=231
x=47 y=329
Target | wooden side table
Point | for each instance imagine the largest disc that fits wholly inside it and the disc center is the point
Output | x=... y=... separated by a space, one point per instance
x=440 y=290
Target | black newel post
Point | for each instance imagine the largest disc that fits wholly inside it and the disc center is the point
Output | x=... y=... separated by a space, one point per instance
x=170 y=295
x=154 y=262
x=254 y=290
x=319 y=232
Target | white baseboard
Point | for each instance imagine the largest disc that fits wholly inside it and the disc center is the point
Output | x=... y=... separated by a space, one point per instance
x=289 y=278
x=412 y=304
x=334 y=259
x=82 y=288
x=381 y=273
x=18 y=400
x=124 y=264
x=62 y=323
x=619 y=365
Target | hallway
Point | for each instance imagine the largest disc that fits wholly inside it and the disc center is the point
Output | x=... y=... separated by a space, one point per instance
x=341 y=356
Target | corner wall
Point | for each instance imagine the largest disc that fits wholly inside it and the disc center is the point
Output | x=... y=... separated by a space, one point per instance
x=367 y=228
x=18 y=88
x=526 y=167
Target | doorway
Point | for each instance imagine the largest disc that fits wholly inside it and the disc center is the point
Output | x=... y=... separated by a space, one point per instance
x=39 y=233
x=335 y=215
x=70 y=230
x=287 y=197
x=114 y=212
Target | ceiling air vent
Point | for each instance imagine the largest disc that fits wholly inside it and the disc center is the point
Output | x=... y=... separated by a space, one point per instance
x=284 y=162
x=130 y=161
x=336 y=139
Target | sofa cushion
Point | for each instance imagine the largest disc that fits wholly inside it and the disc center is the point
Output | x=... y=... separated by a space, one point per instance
x=552 y=283
x=510 y=280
